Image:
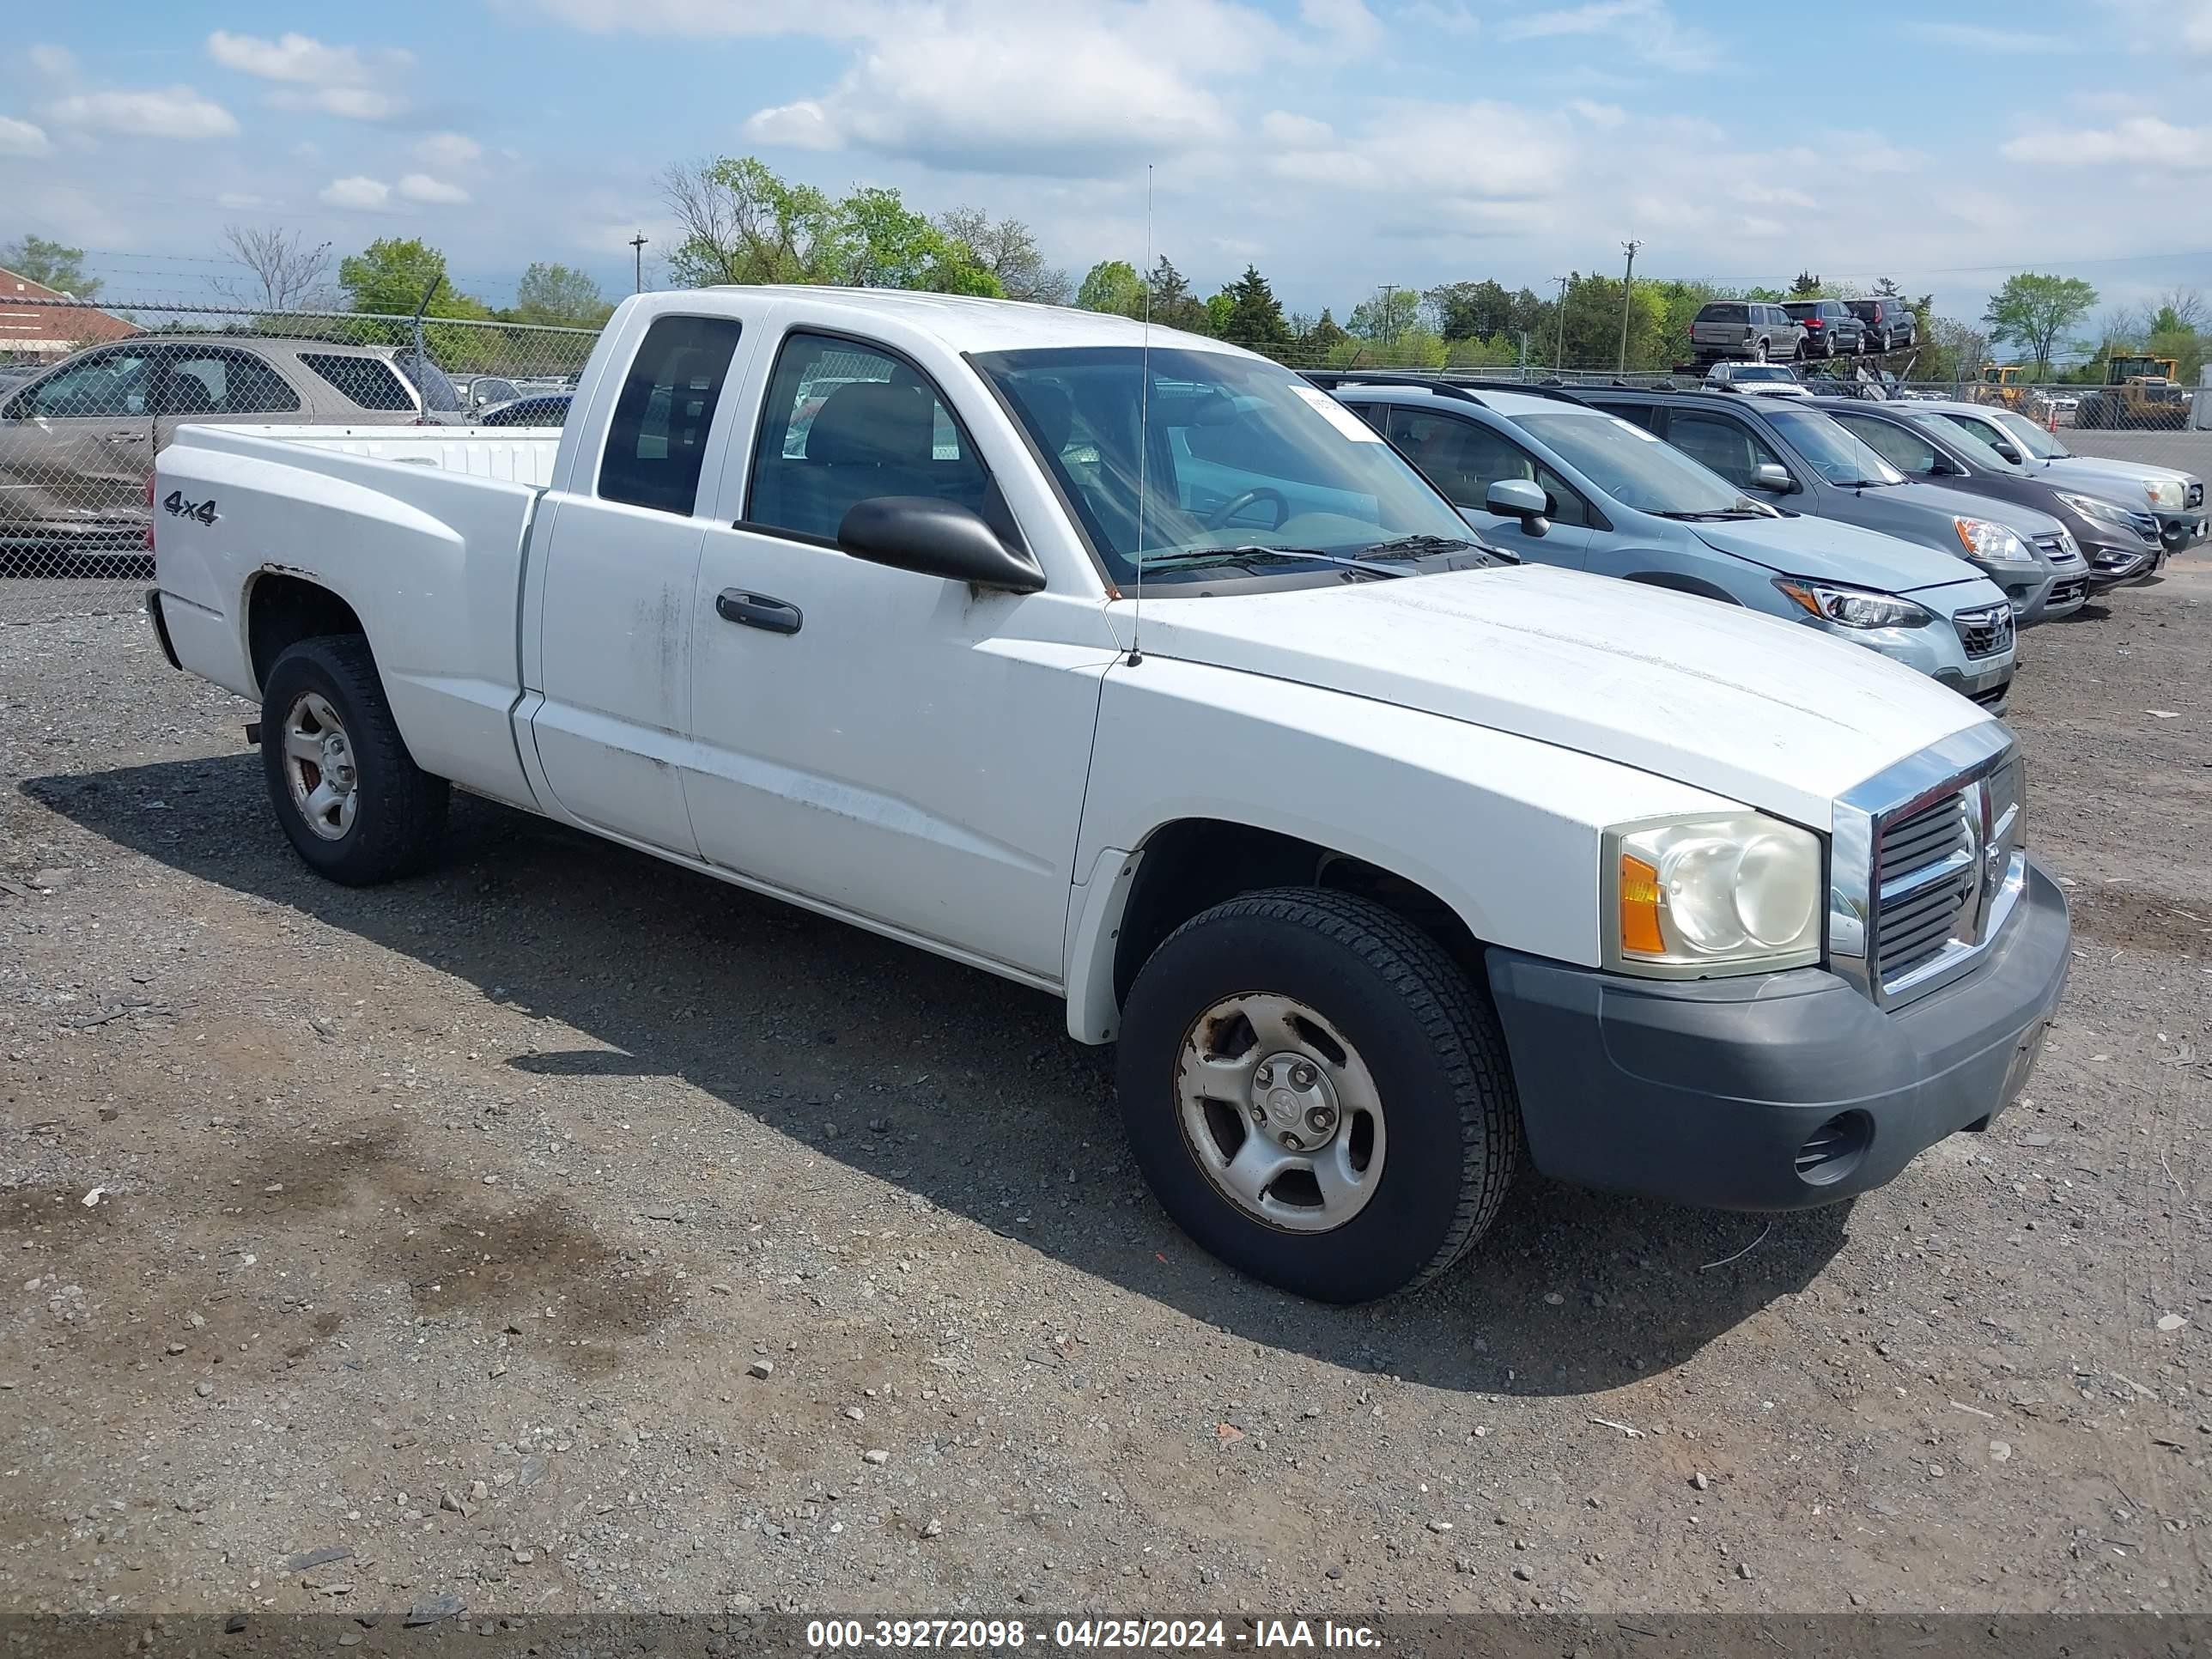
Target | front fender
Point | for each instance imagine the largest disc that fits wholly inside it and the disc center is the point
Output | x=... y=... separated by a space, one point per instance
x=1502 y=829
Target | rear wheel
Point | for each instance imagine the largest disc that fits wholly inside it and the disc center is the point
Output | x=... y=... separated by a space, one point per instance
x=1758 y=352
x=350 y=798
x=1317 y=1095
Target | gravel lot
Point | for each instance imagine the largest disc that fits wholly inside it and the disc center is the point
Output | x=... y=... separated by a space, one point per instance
x=564 y=1232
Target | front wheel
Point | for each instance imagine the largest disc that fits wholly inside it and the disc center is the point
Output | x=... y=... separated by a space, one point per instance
x=1317 y=1095
x=350 y=798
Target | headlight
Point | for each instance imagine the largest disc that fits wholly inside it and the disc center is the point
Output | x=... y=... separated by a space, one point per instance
x=2164 y=492
x=1984 y=540
x=2089 y=507
x=1730 y=894
x=1852 y=607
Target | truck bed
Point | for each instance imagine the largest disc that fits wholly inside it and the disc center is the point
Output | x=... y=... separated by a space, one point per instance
x=423 y=531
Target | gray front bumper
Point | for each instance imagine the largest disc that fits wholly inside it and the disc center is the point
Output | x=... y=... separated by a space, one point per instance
x=1711 y=1091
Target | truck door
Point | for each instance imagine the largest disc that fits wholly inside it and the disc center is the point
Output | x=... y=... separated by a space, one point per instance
x=899 y=747
x=621 y=546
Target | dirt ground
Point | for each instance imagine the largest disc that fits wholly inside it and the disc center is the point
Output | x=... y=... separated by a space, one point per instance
x=564 y=1232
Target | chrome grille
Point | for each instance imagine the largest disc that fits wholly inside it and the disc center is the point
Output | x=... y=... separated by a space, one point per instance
x=2059 y=548
x=1933 y=873
x=1985 y=632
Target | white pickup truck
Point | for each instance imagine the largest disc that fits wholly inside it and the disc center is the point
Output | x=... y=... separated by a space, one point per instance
x=1132 y=668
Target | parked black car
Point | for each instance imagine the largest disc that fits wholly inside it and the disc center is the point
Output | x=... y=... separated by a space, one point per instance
x=1831 y=331
x=2120 y=543
x=1888 y=324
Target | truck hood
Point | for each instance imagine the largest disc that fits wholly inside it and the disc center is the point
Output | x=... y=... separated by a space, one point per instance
x=1827 y=549
x=1757 y=709
x=2075 y=471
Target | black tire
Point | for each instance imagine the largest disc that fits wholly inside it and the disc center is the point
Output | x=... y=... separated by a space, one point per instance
x=1759 y=355
x=1429 y=1038
x=400 y=814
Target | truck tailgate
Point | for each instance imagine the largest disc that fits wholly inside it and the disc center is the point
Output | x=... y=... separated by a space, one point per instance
x=422 y=530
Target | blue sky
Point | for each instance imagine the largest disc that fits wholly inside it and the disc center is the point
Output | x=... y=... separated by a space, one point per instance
x=1336 y=144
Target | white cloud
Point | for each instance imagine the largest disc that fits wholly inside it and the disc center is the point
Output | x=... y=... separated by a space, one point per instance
x=337 y=81
x=2146 y=141
x=1644 y=27
x=2158 y=26
x=448 y=149
x=1348 y=20
x=1597 y=114
x=22 y=138
x=1448 y=16
x=833 y=19
x=1283 y=130
x=1982 y=37
x=1056 y=93
x=296 y=57
x=166 y=113
x=55 y=63
x=421 y=187
x=358 y=103
x=356 y=194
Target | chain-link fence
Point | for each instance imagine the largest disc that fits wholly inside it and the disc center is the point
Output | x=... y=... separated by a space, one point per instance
x=88 y=395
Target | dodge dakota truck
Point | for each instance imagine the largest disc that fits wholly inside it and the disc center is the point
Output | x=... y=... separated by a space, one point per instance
x=1126 y=664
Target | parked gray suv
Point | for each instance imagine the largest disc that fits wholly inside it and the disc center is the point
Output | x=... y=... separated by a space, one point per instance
x=1553 y=481
x=1801 y=460
x=1745 y=328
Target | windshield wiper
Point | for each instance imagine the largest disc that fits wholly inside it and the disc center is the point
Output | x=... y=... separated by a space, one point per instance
x=1709 y=518
x=1416 y=547
x=1203 y=558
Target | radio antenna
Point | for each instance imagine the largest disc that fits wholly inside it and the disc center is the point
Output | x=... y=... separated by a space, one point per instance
x=1144 y=426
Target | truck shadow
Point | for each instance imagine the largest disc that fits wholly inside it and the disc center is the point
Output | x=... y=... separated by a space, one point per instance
x=801 y=1022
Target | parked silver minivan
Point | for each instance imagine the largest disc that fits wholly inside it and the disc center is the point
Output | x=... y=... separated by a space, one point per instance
x=1745 y=328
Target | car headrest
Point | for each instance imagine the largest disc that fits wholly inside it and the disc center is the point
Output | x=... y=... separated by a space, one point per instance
x=870 y=423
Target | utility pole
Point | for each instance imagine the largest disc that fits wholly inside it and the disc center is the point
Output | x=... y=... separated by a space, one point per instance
x=637 y=257
x=1627 y=291
x=1560 y=342
x=1385 y=311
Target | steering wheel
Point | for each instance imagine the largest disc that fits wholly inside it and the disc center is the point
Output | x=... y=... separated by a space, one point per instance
x=1236 y=504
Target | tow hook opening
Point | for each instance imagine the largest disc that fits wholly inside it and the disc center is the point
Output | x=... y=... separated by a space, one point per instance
x=1835 y=1149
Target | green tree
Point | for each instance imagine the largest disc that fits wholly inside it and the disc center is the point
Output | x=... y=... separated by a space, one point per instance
x=1391 y=313
x=883 y=243
x=2033 y=310
x=1253 y=316
x=392 y=274
x=1471 y=311
x=1806 y=287
x=1496 y=352
x=1112 y=286
x=740 y=222
x=1319 y=337
x=557 y=295
x=1174 y=305
x=50 y=264
x=1007 y=249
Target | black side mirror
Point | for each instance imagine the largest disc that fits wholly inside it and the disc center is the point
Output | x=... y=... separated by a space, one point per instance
x=2007 y=451
x=935 y=537
x=1517 y=498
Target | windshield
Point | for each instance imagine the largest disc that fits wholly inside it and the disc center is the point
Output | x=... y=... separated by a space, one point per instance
x=1829 y=450
x=1759 y=372
x=1635 y=468
x=2029 y=436
x=1971 y=443
x=1239 y=454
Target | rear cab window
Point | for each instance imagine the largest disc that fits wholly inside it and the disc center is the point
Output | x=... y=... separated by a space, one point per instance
x=657 y=437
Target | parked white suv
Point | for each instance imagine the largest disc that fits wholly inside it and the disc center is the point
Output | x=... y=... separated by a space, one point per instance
x=1138 y=670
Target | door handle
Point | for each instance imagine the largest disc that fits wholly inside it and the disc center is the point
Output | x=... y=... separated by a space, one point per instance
x=125 y=438
x=756 y=610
